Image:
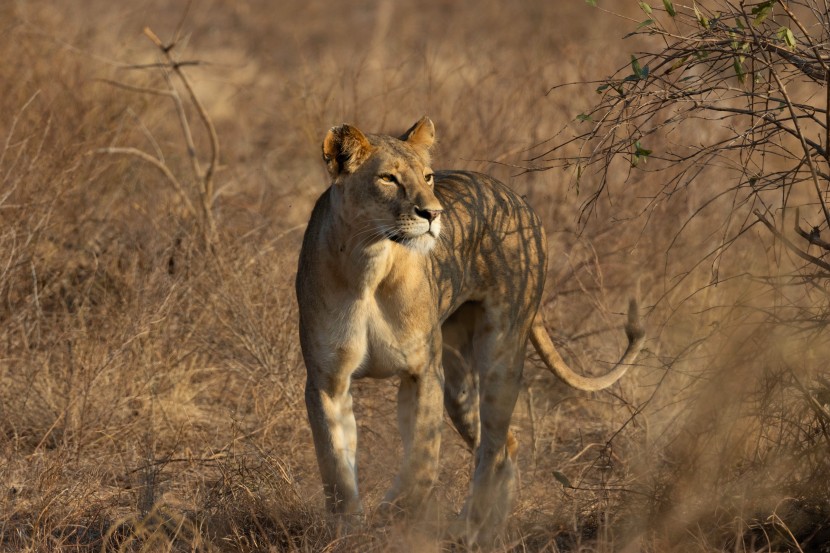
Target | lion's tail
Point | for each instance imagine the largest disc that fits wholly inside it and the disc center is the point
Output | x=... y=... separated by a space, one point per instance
x=543 y=344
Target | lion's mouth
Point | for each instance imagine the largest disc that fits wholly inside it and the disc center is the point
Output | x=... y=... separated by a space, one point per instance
x=397 y=237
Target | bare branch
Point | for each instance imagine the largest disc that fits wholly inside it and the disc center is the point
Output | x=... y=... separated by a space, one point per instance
x=792 y=247
x=799 y=134
x=813 y=237
x=169 y=65
x=171 y=69
x=163 y=168
x=139 y=89
x=207 y=192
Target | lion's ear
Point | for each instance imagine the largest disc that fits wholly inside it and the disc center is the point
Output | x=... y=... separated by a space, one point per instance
x=421 y=135
x=344 y=149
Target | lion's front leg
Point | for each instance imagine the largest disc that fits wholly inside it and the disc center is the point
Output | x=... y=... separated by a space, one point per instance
x=335 y=441
x=420 y=412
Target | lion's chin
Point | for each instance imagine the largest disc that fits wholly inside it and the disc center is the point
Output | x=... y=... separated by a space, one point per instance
x=422 y=243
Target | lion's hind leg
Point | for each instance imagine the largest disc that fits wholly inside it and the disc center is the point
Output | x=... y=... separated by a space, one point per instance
x=460 y=380
x=498 y=355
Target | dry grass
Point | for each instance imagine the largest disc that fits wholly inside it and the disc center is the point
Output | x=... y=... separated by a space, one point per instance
x=150 y=387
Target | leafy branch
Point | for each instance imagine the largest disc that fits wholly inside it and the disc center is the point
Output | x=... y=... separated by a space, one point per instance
x=755 y=77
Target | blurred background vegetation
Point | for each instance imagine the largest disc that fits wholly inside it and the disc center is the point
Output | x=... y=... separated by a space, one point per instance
x=150 y=376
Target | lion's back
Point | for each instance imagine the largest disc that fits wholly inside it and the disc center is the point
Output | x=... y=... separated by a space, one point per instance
x=493 y=240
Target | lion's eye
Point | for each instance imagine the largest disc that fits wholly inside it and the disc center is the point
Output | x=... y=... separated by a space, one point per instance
x=430 y=178
x=388 y=178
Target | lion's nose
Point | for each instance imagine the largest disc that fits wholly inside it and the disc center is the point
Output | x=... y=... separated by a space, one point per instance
x=428 y=214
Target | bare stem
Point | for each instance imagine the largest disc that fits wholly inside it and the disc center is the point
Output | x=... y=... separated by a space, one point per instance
x=792 y=247
x=163 y=168
x=206 y=178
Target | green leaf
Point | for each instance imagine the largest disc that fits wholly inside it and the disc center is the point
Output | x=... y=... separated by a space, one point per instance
x=761 y=11
x=591 y=3
x=635 y=32
x=645 y=7
x=583 y=117
x=603 y=88
x=786 y=35
x=704 y=22
x=738 y=66
x=639 y=72
x=635 y=66
x=669 y=7
x=678 y=63
x=640 y=153
x=562 y=479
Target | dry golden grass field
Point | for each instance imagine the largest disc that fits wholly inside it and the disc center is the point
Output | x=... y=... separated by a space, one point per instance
x=151 y=380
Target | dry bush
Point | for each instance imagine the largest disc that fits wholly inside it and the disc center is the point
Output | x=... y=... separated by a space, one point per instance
x=720 y=127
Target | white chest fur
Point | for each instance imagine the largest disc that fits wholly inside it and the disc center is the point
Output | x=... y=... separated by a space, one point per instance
x=381 y=331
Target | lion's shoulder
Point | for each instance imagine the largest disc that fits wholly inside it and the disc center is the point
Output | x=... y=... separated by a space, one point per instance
x=480 y=203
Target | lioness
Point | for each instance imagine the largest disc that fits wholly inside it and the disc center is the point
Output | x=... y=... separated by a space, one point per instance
x=433 y=277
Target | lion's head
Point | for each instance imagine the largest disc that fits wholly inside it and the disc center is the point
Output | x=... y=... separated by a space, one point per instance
x=387 y=183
